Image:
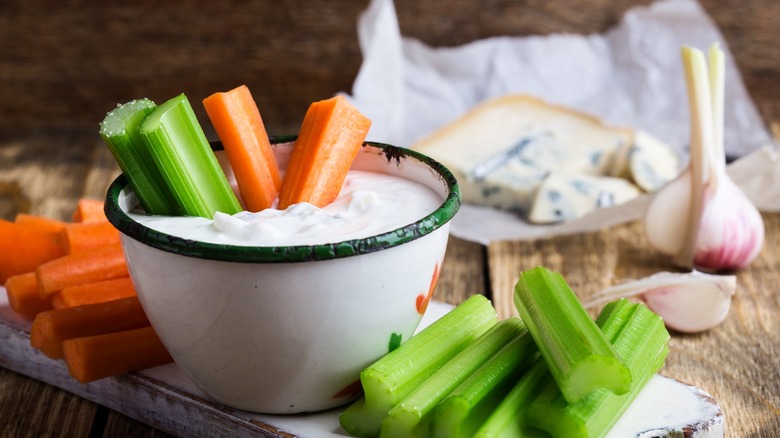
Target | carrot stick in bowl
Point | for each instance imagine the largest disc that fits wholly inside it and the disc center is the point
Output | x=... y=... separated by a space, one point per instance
x=80 y=268
x=97 y=357
x=238 y=123
x=51 y=328
x=330 y=138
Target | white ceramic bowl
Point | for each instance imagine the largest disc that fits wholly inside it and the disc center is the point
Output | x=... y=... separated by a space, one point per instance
x=288 y=329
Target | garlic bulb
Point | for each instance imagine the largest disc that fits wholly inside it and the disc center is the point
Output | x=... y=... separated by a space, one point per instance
x=702 y=219
x=690 y=302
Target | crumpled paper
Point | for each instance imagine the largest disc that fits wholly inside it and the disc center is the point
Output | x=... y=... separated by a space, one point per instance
x=631 y=75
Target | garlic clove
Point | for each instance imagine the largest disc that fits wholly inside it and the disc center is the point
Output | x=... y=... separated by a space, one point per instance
x=688 y=302
x=694 y=307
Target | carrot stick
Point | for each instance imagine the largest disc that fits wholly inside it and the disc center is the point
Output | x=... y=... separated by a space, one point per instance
x=330 y=138
x=97 y=357
x=237 y=121
x=51 y=328
x=55 y=300
x=86 y=236
x=39 y=222
x=23 y=295
x=81 y=268
x=91 y=293
x=23 y=248
x=89 y=210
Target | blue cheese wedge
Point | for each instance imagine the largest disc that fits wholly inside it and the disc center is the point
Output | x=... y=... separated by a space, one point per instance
x=652 y=163
x=504 y=149
x=647 y=162
x=565 y=196
x=501 y=150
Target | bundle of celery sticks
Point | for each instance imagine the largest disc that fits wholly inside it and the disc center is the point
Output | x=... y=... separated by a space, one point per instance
x=552 y=372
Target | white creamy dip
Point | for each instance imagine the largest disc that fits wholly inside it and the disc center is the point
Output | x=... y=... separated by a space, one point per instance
x=369 y=204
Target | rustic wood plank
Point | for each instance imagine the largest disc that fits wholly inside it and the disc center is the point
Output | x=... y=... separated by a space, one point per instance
x=68 y=67
x=33 y=408
x=736 y=362
x=462 y=273
x=120 y=425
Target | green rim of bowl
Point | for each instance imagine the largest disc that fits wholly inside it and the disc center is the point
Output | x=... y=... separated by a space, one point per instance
x=296 y=253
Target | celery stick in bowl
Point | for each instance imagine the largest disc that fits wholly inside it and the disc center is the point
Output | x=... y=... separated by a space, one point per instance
x=119 y=130
x=185 y=159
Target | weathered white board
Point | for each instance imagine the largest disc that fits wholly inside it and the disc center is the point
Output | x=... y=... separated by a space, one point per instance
x=165 y=398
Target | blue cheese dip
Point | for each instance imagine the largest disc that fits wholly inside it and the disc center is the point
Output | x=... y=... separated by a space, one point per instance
x=369 y=204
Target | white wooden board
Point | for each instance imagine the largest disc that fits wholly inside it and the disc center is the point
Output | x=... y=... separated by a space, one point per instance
x=165 y=398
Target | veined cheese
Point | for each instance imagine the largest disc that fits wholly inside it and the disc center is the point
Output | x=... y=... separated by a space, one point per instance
x=652 y=163
x=503 y=149
x=564 y=196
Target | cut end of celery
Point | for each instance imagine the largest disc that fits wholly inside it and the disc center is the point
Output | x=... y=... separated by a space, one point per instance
x=154 y=120
x=550 y=414
x=361 y=421
x=404 y=421
x=117 y=120
x=598 y=372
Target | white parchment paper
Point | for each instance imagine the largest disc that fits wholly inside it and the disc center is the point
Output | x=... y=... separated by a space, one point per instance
x=630 y=75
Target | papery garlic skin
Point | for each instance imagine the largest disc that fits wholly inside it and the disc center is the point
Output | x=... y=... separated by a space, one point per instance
x=731 y=230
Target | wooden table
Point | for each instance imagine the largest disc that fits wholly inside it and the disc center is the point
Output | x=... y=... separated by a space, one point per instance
x=61 y=69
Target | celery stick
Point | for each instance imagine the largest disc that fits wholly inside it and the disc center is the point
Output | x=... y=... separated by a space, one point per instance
x=185 y=159
x=119 y=130
x=388 y=380
x=578 y=355
x=508 y=418
x=468 y=405
x=641 y=341
x=411 y=417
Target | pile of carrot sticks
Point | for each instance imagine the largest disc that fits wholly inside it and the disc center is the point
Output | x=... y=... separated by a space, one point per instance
x=71 y=280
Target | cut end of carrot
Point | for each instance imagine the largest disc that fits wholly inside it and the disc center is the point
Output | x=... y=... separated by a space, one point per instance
x=51 y=328
x=23 y=248
x=89 y=210
x=23 y=296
